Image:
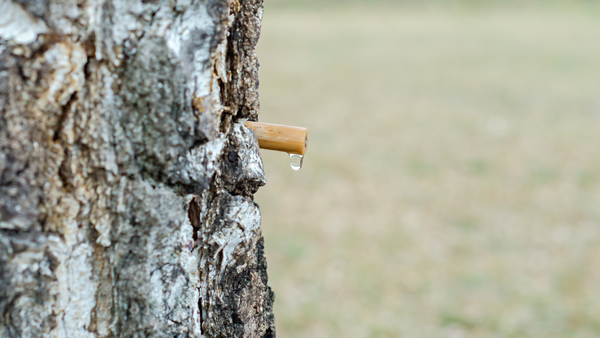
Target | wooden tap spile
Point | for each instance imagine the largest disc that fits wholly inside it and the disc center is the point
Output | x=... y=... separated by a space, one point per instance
x=289 y=139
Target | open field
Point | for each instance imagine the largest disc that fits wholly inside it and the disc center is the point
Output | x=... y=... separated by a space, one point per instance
x=452 y=186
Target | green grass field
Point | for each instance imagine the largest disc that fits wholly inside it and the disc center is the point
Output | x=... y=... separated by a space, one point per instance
x=452 y=187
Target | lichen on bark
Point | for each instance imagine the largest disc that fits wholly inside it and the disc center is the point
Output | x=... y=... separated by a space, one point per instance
x=126 y=174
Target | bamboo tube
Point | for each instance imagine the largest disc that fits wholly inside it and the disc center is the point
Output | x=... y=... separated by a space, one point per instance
x=290 y=139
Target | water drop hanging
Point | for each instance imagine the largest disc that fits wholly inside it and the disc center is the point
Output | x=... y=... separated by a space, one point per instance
x=296 y=161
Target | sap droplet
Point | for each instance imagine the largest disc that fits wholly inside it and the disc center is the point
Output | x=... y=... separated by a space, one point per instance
x=296 y=161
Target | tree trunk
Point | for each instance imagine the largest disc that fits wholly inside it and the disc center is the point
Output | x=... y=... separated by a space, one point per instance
x=126 y=174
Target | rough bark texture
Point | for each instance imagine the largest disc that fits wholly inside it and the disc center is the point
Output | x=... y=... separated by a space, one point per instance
x=126 y=175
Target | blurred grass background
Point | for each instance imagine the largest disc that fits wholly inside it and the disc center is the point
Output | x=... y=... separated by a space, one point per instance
x=452 y=186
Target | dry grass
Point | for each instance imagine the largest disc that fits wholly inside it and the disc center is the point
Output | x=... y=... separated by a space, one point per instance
x=452 y=187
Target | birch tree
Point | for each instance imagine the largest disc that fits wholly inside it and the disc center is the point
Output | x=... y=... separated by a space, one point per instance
x=126 y=174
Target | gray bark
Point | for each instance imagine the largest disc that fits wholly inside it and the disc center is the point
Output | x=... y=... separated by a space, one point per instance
x=126 y=174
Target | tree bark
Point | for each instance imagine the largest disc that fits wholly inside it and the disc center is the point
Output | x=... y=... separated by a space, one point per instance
x=126 y=174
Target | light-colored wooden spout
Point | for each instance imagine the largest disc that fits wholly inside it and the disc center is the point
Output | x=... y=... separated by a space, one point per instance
x=290 y=139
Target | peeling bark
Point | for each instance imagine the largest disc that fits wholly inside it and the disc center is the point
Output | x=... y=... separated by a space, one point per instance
x=126 y=174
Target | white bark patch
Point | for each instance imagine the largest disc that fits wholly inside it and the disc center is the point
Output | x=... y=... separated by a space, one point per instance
x=67 y=61
x=244 y=217
x=220 y=61
x=189 y=262
x=74 y=287
x=100 y=217
x=201 y=162
x=15 y=223
x=126 y=13
x=17 y=25
x=187 y=38
x=253 y=169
